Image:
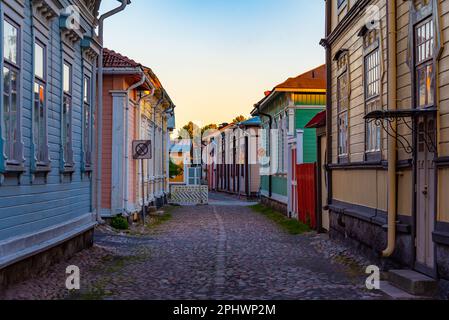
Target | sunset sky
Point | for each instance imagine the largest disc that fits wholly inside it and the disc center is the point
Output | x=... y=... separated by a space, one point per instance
x=216 y=57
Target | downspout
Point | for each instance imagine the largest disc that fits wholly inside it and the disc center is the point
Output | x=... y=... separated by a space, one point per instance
x=127 y=144
x=329 y=119
x=100 y=103
x=392 y=142
x=270 y=117
x=154 y=140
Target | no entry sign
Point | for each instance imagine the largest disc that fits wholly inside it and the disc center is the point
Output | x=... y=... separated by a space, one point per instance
x=142 y=149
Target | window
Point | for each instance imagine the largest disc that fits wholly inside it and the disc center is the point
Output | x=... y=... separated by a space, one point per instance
x=343 y=115
x=67 y=116
x=195 y=176
x=372 y=101
x=39 y=112
x=87 y=122
x=425 y=78
x=11 y=93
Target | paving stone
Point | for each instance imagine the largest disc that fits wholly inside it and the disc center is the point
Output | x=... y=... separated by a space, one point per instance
x=206 y=252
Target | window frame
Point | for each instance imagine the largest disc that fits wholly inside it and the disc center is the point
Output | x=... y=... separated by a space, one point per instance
x=16 y=164
x=372 y=154
x=427 y=62
x=40 y=164
x=67 y=156
x=87 y=163
x=343 y=157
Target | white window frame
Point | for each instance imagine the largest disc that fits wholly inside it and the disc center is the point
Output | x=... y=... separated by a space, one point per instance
x=16 y=162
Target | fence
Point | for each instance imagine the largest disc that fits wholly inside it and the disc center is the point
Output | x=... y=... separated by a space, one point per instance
x=189 y=195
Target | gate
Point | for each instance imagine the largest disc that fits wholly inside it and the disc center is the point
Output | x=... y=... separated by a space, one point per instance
x=306 y=179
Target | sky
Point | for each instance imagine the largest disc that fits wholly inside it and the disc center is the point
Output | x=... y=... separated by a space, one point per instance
x=216 y=58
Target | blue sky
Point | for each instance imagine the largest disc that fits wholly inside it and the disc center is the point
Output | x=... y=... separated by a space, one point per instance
x=216 y=57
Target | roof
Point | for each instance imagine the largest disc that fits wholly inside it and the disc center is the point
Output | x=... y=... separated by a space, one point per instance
x=180 y=146
x=115 y=60
x=112 y=59
x=318 y=121
x=313 y=79
x=255 y=121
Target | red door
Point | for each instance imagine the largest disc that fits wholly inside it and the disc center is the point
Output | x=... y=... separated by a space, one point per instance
x=306 y=177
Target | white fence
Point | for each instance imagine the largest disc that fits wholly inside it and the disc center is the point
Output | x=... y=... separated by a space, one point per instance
x=189 y=195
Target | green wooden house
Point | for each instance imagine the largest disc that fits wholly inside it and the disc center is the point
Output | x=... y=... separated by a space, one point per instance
x=285 y=142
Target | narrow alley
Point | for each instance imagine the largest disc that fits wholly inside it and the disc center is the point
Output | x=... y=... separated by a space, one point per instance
x=221 y=251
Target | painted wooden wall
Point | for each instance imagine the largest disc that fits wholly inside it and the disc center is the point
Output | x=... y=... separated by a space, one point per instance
x=28 y=206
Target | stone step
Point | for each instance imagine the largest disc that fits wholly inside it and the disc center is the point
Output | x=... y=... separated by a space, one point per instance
x=398 y=294
x=413 y=282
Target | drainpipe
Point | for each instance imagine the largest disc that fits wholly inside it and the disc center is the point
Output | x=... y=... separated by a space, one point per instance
x=154 y=141
x=270 y=117
x=100 y=102
x=392 y=142
x=131 y=88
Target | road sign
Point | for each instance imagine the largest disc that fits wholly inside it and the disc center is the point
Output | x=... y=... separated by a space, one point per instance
x=142 y=150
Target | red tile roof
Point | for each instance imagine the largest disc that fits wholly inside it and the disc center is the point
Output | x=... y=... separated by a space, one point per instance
x=313 y=79
x=112 y=59
x=318 y=121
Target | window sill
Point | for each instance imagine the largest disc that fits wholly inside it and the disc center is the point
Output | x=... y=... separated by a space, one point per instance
x=10 y=168
x=68 y=170
x=41 y=169
x=373 y=156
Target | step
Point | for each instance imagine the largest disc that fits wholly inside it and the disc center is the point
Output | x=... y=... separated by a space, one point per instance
x=413 y=282
x=398 y=294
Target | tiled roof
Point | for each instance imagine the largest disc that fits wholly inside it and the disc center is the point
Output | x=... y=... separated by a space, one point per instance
x=112 y=59
x=313 y=79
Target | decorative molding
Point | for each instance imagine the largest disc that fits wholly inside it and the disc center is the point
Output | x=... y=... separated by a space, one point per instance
x=45 y=10
x=69 y=34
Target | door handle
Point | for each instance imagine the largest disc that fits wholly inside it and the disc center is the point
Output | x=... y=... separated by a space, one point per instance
x=425 y=191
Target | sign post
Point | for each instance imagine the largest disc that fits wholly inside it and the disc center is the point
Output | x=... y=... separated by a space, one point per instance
x=142 y=152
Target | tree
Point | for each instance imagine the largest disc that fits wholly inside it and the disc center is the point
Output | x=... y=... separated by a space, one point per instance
x=175 y=169
x=209 y=127
x=239 y=119
x=190 y=128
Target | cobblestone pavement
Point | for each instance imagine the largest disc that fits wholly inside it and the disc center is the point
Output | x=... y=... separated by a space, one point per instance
x=207 y=252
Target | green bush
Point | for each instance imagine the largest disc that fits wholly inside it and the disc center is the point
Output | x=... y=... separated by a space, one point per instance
x=120 y=223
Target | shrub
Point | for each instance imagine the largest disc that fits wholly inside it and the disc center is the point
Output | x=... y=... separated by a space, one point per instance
x=120 y=223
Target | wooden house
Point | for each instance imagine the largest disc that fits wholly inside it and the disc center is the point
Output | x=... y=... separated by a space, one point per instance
x=388 y=129
x=48 y=62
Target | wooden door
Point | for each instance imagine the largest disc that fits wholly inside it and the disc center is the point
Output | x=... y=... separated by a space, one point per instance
x=425 y=216
x=323 y=175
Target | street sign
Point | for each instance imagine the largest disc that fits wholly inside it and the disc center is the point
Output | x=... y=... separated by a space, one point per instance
x=142 y=150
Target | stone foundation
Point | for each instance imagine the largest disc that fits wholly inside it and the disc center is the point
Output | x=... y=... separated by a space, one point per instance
x=275 y=205
x=370 y=239
x=34 y=265
x=443 y=261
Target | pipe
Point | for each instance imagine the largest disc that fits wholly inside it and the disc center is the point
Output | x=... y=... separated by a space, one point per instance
x=329 y=119
x=392 y=142
x=99 y=168
x=128 y=91
x=270 y=117
x=154 y=141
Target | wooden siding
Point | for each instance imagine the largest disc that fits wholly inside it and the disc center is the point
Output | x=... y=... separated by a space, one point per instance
x=34 y=205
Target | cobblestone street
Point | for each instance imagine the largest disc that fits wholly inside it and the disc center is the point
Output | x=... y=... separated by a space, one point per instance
x=220 y=251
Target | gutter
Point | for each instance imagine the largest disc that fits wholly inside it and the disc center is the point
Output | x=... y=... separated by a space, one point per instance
x=270 y=117
x=392 y=141
x=99 y=168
